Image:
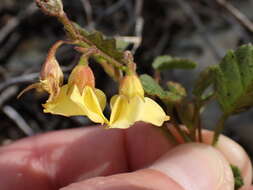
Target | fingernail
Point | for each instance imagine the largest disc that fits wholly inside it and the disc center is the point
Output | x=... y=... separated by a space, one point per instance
x=196 y=166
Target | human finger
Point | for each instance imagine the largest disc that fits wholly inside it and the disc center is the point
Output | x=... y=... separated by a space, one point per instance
x=53 y=160
x=235 y=155
x=179 y=169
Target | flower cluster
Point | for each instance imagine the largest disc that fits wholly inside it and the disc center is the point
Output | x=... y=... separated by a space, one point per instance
x=79 y=97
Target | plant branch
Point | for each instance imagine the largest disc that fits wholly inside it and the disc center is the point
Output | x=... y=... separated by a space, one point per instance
x=76 y=36
x=197 y=122
x=219 y=128
x=181 y=132
x=69 y=27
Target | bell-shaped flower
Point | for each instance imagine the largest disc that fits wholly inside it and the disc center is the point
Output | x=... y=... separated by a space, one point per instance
x=79 y=96
x=131 y=106
x=51 y=81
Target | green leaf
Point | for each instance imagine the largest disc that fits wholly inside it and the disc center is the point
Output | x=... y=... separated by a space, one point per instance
x=234 y=80
x=152 y=88
x=167 y=62
x=237 y=177
x=106 y=45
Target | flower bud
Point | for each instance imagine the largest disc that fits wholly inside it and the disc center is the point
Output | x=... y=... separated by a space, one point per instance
x=131 y=86
x=51 y=7
x=51 y=75
x=82 y=76
x=51 y=69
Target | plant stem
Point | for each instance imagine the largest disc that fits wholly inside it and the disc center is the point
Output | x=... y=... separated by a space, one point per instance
x=199 y=131
x=192 y=132
x=198 y=122
x=168 y=134
x=84 y=42
x=218 y=129
x=69 y=27
x=181 y=132
x=109 y=69
x=112 y=60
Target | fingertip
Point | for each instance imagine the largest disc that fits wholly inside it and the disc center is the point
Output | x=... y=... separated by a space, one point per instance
x=196 y=166
x=234 y=154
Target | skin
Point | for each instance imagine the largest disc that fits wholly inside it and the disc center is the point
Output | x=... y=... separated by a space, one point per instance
x=139 y=158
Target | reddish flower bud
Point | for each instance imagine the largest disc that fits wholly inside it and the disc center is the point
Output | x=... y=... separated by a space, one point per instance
x=82 y=76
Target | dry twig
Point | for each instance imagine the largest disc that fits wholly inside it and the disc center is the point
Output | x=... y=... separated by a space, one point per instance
x=18 y=80
x=18 y=119
x=88 y=11
x=7 y=94
x=139 y=22
x=239 y=16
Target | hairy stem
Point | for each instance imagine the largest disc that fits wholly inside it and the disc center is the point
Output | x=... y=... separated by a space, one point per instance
x=182 y=133
x=197 y=122
x=219 y=128
x=69 y=27
x=106 y=61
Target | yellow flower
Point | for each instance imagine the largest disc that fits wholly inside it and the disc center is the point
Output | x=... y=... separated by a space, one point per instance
x=79 y=97
x=131 y=106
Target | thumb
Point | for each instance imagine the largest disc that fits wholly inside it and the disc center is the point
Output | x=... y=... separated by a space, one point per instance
x=196 y=167
x=187 y=167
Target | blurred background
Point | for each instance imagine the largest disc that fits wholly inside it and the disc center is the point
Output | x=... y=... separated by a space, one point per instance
x=201 y=30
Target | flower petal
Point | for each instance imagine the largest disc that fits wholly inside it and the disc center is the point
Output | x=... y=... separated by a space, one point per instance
x=62 y=105
x=151 y=112
x=131 y=86
x=125 y=112
x=101 y=98
x=89 y=103
x=113 y=100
